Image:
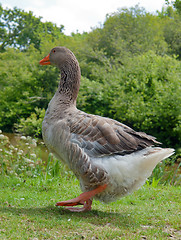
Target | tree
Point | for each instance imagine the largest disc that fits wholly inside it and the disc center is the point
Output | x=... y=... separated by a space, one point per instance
x=177 y=6
x=129 y=32
x=24 y=85
x=20 y=29
x=149 y=96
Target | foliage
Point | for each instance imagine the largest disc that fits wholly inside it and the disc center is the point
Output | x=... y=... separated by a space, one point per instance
x=24 y=86
x=28 y=157
x=20 y=29
x=172 y=34
x=19 y=160
x=150 y=96
x=130 y=70
x=168 y=172
x=130 y=32
x=177 y=5
x=32 y=125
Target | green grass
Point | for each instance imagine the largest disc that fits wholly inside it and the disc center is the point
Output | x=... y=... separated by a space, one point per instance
x=31 y=185
x=27 y=211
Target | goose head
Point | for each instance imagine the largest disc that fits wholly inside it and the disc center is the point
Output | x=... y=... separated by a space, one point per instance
x=59 y=56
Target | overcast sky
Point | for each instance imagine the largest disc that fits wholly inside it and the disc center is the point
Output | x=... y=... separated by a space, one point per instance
x=79 y=15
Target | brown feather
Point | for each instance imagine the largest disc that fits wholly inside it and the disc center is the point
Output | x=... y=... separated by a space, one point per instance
x=100 y=136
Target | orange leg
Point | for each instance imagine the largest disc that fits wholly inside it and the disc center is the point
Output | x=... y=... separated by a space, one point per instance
x=82 y=199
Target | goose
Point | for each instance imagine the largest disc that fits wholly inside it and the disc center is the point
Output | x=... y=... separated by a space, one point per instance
x=110 y=159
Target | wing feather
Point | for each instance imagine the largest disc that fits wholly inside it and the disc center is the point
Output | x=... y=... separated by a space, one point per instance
x=100 y=136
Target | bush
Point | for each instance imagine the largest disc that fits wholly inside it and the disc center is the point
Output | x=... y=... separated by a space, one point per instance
x=31 y=126
x=24 y=85
x=150 y=98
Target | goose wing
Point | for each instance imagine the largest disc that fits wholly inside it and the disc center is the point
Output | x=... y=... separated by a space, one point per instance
x=100 y=136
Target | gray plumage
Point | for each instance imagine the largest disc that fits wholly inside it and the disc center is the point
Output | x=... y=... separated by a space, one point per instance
x=98 y=150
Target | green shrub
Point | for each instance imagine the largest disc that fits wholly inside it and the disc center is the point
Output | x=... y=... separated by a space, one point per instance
x=31 y=126
x=24 y=85
x=150 y=98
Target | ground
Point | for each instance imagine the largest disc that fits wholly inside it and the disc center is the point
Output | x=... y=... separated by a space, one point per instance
x=27 y=211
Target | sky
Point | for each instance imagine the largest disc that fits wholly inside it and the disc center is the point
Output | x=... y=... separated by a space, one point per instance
x=79 y=15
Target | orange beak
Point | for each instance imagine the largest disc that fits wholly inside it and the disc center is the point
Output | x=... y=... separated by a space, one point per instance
x=45 y=60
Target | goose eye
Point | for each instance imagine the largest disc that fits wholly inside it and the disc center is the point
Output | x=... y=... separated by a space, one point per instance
x=54 y=51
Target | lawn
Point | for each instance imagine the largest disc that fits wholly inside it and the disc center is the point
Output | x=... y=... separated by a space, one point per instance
x=27 y=211
x=30 y=185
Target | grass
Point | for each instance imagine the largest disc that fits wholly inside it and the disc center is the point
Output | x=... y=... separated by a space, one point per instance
x=27 y=211
x=30 y=187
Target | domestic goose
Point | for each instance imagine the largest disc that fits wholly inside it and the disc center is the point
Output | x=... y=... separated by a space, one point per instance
x=109 y=158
